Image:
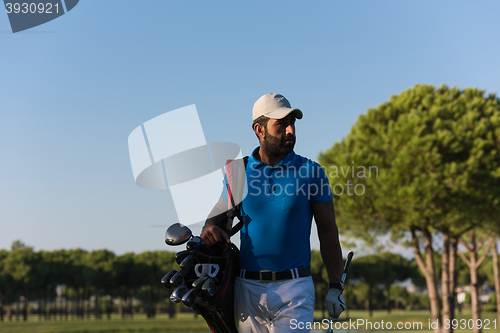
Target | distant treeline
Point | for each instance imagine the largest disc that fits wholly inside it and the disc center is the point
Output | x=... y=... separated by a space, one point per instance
x=78 y=283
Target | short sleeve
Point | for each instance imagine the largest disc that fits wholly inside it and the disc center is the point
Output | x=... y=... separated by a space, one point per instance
x=319 y=186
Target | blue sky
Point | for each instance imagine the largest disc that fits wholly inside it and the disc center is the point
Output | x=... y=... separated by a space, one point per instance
x=73 y=89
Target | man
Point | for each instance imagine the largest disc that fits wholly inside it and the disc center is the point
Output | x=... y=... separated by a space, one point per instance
x=274 y=292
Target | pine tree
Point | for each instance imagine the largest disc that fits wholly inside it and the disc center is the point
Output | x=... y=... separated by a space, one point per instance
x=434 y=159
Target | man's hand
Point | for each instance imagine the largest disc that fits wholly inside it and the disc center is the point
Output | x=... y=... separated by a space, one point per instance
x=212 y=234
x=335 y=303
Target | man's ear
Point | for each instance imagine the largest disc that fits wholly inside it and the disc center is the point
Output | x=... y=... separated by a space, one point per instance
x=259 y=131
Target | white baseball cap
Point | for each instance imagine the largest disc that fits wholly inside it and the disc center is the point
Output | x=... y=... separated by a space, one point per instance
x=274 y=106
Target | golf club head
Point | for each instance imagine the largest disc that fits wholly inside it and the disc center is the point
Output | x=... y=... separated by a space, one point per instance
x=181 y=255
x=209 y=287
x=166 y=279
x=178 y=293
x=173 y=299
x=198 y=283
x=187 y=264
x=194 y=243
x=177 y=234
x=176 y=279
x=189 y=298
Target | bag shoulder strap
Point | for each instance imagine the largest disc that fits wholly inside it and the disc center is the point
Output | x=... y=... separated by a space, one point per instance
x=235 y=181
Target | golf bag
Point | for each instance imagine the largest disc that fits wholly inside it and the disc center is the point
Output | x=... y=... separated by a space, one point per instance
x=221 y=261
x=218 y=310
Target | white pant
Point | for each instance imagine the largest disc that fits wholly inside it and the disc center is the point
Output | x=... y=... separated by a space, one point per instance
x=269 y=307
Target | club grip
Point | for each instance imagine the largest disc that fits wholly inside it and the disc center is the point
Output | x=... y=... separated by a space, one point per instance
x=348 y=261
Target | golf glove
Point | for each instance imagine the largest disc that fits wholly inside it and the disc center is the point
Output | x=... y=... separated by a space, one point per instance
x=335 y=303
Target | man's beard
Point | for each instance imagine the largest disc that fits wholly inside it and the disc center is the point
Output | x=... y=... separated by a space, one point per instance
x=276 y=146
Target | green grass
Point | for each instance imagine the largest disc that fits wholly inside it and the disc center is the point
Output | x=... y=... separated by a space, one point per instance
x=186 y=322
x=183 y=322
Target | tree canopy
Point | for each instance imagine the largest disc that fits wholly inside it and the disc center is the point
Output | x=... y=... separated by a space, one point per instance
x=436 y=153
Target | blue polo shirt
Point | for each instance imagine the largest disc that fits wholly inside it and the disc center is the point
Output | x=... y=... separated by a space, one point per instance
x=277 y=212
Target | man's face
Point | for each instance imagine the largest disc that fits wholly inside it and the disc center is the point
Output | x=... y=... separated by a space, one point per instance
x=280 y=135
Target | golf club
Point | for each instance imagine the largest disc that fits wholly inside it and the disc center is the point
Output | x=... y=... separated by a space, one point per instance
x=189 y=298
x=176 y=279
x=221 y=317
x=198 y=283
x=178 y=293
x=177 y=234
x=181 y=255
x=166 y=279
x=342 y=280
x=209 y=287
x=196 y=243
x=173 y=299
x=187 y=264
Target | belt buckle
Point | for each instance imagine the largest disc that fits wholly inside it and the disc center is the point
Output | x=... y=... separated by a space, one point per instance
x=273 y=276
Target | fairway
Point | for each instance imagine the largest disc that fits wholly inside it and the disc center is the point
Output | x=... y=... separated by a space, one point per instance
x=186 y=322
x=183 y=322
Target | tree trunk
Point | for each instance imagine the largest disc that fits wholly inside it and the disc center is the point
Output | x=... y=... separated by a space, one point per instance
x=445 y=280
x=428 y=270
x=368 y=302
x=453 y=275
x=17 y=308
x=81 y=304
x=388 y=298
x=87 y=305
x=39 y=309
x=171 y=310
x=153 y=303
x=323 y=309
x=474 y=284
x=150 y=306
x=1 y=307
x=448 y=278
x=120 y=308
x=496 y=276
x=347 y=307
x=45 y=304
x=124 y=305
x=65 y=300
x=25 y=307
x=473 y=264
x=96 y=305
x=48 y=309
x=77 y=305
x=129 y=305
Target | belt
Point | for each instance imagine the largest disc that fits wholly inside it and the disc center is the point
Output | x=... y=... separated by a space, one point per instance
x=269 y=276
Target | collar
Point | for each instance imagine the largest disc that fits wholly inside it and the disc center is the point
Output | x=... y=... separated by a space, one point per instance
x=254 y=163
